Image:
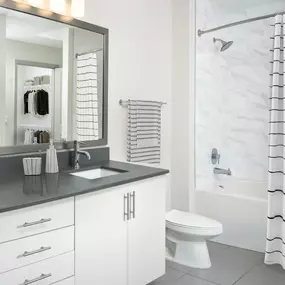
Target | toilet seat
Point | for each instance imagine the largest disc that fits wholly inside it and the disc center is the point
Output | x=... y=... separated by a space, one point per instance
x=186 y=222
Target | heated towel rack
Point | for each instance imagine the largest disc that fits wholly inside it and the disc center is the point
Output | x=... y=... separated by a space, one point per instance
x=125 y=103
x=144 y=130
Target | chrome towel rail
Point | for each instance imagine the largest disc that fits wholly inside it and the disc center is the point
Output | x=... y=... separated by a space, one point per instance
x=126 y=103
x=143 y=131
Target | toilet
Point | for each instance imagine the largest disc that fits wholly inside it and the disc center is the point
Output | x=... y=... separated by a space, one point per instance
x=186 y=238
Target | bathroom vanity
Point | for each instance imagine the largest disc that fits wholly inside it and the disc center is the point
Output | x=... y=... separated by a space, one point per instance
x=102 y=224
x=77 y=230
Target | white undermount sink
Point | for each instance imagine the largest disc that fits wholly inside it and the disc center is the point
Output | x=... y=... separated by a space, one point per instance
x=96 y=173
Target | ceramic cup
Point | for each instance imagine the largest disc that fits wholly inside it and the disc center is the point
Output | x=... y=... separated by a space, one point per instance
x=32 y=166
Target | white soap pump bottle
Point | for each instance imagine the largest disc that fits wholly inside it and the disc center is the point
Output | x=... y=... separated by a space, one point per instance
x=51 y=159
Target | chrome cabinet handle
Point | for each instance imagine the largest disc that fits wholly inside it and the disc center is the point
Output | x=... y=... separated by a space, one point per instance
x=127 y=207
x=26 y=225
x=42 y=277
x=29 y=253
x=133 y=208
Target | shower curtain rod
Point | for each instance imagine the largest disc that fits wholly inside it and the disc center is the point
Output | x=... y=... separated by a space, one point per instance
x=201 y=32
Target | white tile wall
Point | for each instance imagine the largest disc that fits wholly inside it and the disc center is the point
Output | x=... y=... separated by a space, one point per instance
x=232 y=92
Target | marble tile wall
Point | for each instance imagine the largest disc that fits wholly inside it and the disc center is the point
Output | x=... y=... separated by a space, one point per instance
x=232 y=92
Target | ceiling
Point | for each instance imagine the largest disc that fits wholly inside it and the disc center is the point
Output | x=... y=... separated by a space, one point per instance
x=240 y=5
x=22 y=27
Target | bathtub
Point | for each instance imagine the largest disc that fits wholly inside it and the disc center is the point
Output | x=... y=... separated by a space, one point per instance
x=242 y=209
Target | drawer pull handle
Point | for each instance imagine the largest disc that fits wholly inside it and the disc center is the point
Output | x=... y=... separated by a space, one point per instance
x=42 y=277
x=127 y=207
x=28 y=253
x=42 y=221
x=133 y=204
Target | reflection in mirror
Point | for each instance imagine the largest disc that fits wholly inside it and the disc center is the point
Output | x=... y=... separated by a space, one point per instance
x=52 y=78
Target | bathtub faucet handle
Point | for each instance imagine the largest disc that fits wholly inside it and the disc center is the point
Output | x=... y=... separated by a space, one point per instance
x=229 y=172
x=215 y=156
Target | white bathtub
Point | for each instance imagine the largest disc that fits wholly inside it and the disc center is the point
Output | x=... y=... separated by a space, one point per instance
x=242 y=209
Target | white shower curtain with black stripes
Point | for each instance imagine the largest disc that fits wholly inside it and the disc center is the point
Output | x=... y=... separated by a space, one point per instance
x=87 y=110
x=275 y=248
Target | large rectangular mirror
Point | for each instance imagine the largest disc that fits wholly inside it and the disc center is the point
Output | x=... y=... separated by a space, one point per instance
x=53 y=81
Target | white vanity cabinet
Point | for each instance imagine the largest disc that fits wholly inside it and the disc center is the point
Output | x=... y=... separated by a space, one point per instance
x=114 y=236
x=37 y=244
x=69 y=281
x=146 y=232
x=46 y=272
x=120 y=234
x=36 y=220
x=101 y=238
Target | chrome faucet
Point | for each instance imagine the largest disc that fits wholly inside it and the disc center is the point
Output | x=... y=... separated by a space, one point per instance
x=222 y=171
x=77 y=153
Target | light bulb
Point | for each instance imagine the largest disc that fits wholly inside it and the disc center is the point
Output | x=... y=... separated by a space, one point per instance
x=36 y=3
x=77 y=8
x=73 y=8
x=22 y=4
x=58 y=6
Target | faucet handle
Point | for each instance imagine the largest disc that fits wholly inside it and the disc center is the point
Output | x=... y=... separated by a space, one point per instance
x=215 y=156
x=78 y=143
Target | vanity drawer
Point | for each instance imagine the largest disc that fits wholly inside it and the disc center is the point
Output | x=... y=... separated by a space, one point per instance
x=45 y=272
x=69 y=281
x=32 y=249
x=37 y=219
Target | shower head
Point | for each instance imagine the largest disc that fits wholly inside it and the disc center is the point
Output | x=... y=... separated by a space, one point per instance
x=225 y=45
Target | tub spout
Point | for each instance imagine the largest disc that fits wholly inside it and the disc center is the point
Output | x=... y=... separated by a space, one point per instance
x=222 y=171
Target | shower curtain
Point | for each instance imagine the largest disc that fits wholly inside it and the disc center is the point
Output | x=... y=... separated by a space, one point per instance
x=275 y=248
x=87 y=110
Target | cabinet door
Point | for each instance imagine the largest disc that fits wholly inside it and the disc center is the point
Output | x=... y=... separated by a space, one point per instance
x=69 y=281
x=101 y=238
x=146 y=232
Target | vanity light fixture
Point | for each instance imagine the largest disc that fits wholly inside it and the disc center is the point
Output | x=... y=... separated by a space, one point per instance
x=69 y=8
x=59 y=6
x=77 y=8
x=37 y=3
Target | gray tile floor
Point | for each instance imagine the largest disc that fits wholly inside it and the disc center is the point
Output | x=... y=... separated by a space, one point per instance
x=230 y=266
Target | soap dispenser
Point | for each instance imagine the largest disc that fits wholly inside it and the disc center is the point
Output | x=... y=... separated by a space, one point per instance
x=51 y=159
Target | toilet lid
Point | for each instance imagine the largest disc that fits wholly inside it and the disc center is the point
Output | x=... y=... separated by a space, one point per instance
x=186 y=219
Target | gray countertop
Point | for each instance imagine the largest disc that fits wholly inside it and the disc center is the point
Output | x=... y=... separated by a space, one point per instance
x=18 y=191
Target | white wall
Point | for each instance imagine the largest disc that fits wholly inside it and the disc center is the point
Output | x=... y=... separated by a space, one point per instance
x=29 y=52
x=67 y=84
x=183 y=104
x=232 y=92
x=180 y=105
x=140 y=62
x=86 y=41
x=3 y=50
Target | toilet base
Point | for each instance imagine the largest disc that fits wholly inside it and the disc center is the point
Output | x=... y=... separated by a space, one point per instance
x=193 y=254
